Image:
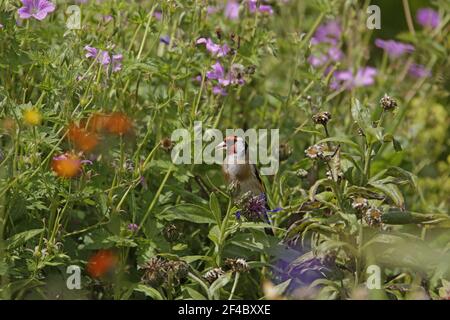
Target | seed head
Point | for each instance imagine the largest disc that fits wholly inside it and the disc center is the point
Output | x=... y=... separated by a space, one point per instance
x=237 y=265
x=387 y=103
x=213 y=274
x=360 y=204
x=171 y=233
x=178 y=268
x=315 y=151
x=166 y=144
x=155 y=272
x=322 y=118
x=373 y=217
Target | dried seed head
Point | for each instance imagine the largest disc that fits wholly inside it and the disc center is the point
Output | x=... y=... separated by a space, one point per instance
x=166 y=144
x=387 y=103
x=284 y=152
x=155 y=272
x=219 y=33
x=301 y=173
x=171 y=233
x=322 y=118
x=373 y=217
x=179 y=269
x=329 y=174
x=237 y=265
x=315 y=151
x=360 y=204
x=213 y=274
x=250 y=69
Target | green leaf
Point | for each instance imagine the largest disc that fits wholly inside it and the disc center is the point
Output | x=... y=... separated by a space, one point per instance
x=188 y=212
x=220 y=283
x=20 y=238
x=149 y=291
x=390 y=190
x=194 y=294
x=215 y=208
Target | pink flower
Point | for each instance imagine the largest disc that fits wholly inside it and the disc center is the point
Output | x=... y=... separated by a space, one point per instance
x=215 y=49
x=394 y=48
x=428 y=18
x=232 y=10
x=346 y=79
x=37 y=9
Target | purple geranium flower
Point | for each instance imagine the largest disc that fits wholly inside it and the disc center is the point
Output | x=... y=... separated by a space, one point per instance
x=217 y=72
x=394 y=48
x=329 y=32
x=104 y=58
x=428 y=18
x=333 y=54
x=133 y=227
x=346 y=79
x=233 y=77
x=419 y=71
x=165 y=39
x=214 y=49
x=263 y=8
x=37 y=9
x=101 y=55
x=232 y=10
x=117 y=62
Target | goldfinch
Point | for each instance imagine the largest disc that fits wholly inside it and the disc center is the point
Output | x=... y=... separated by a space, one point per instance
x=242 y=175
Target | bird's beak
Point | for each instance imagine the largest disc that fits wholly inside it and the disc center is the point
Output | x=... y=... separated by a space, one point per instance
x=221 y=146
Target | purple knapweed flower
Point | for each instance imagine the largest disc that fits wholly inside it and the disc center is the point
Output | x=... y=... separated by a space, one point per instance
x=419 y=71
x=329 y=32
x=215 y=49
x=428 y=18
x=232 y=10
x=393 y=48
x=37 y=9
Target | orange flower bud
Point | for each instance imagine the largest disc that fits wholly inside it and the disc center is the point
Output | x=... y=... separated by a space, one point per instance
x=82 y=139
x=66 y=165
x=100 y=263
x=118 y=123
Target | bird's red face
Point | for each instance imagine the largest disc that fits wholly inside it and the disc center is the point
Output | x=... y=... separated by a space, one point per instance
x=232 y=144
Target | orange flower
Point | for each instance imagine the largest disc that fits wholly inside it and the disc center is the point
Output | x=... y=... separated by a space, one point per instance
x=118 y=123
x=100 y=263
x=82 y=139
x=66 y=165
x=98 y=122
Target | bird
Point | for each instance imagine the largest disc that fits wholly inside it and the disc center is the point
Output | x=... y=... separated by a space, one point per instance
x=242 y=175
